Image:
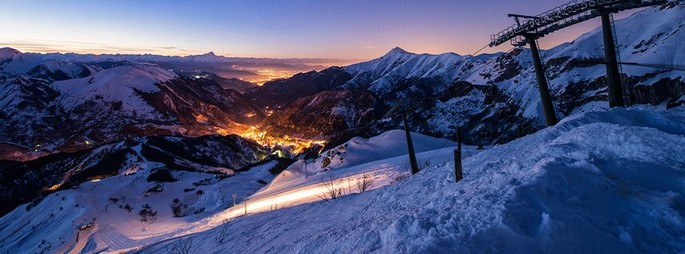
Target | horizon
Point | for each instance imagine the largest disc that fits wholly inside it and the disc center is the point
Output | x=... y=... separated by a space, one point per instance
x=324 y=126
x=236 y=57
x=351 y=32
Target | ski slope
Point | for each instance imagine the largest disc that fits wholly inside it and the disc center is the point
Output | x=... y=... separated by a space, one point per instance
x=598 y=182
x=52 y=225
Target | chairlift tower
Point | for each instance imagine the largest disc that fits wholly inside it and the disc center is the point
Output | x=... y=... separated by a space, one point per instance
x=530 y=28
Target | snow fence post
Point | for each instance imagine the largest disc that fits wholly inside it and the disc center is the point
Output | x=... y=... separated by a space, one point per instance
x=410 y=147
x=458 y=174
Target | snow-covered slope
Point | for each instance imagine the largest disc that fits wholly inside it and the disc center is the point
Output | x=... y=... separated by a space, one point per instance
x=8 y=53
x=40 y=113
x=651 y=36
x=22 y=182
x=14 y=62
x=106 y=214
x=598 y=182
x=118 y=84
x=381 y=75
x=331 y=112
x=381 y=159
x=93 y=199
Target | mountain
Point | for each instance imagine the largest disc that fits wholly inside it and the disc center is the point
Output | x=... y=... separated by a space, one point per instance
x=494 y=97
x=112 y=153
x=279 y=93
x=224 y=155
x=72 y=113
x=14 y=63
x=8 y=53
x=383 y=75
x=135 y=188
x=327 y=115
x=226 y=83
x=244 y=68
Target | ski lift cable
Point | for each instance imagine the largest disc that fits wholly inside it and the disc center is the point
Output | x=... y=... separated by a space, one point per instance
x=674 y=67
x=438 y=150
x=484 y=65
x=478 y=51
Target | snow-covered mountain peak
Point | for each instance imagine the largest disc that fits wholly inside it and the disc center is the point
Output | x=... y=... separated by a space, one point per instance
x=207 y=57
x=381 y=74
x=398 y=51
x=8 y=53
x=116 y=84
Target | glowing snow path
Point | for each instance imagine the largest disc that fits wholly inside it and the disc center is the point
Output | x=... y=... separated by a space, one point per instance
x=382 y=159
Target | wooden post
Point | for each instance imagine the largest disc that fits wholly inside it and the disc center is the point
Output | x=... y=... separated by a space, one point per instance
x=410 y=147
x=458 y=173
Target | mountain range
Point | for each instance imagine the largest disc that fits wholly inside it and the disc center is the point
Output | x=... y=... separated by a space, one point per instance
x=145 y=123
x=493 y=97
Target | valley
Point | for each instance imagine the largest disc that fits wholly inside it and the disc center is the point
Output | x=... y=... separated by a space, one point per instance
x=117 y=153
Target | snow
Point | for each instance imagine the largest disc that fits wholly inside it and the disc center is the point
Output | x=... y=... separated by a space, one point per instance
x=648 y=36
x=53 y=222
x=379 y=75
x=8 y=53
x=13 y=62
x=383 y=156
x=71 y=69
x=456 y=108
x=599 y=181
x=602 y=181
x=115 y=84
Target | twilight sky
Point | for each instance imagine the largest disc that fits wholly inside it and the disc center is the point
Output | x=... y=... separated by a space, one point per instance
x=340 y=29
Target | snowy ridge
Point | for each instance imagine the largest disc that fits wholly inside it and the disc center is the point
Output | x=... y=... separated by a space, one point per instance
x=57 y=218
x=104 y=190
x=585 y=185
x=115 y=84
x=90 y=103
x=512 y=107
x=14 y=63
x=8 y=53
x=17 y=63
x=382 y=73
